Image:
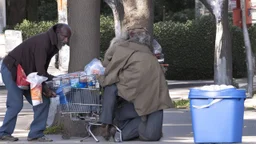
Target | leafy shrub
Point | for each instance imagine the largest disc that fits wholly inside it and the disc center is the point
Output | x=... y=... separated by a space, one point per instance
x=189 y=48
x=29 y=28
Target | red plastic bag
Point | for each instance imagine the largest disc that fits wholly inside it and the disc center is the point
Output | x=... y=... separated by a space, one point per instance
x=21 y=78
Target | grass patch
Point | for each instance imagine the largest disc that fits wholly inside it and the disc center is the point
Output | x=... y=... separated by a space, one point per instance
x=250 y=108
x=181 y=104
x=53 y=130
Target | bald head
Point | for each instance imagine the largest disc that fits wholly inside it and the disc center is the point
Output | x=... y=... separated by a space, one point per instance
x=63 y=32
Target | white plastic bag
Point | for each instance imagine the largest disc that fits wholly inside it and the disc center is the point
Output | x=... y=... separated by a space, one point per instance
x=157 y=47
x=36 y=87
x=52 y=110
x=94 y=67
x=1 y=80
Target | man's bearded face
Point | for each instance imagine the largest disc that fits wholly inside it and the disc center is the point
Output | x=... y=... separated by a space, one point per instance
x=63 y=36
x=62 y=40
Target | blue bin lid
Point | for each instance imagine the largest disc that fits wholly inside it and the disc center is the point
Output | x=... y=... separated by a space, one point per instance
x=224 y=93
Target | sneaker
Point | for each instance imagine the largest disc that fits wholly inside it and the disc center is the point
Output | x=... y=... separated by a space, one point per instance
x=41 y=139
x=8 y=138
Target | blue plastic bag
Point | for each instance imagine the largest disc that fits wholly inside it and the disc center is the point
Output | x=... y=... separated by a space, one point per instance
x=60 y=92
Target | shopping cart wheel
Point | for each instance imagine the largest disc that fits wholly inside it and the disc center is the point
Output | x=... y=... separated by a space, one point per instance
x=118 y=135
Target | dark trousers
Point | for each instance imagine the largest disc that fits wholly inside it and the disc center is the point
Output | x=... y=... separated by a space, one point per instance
x=128 y=120
x=14 y=105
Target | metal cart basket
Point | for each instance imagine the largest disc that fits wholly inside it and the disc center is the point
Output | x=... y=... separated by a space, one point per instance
x=82 y=104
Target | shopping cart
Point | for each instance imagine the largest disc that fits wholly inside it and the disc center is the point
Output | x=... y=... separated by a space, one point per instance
x=81 y=104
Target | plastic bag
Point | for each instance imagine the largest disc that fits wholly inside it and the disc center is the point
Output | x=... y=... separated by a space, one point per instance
x=21 y=78
x=94 y=67
x=1 y=80
x=36 y=87
x=157 y=47
x=52 y=110
x=61 y=93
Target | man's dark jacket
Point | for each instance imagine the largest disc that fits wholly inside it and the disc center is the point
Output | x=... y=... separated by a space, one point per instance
x=34 y=54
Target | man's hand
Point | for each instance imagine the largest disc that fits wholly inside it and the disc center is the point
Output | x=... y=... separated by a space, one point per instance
x=97 y=76
x=48 y=92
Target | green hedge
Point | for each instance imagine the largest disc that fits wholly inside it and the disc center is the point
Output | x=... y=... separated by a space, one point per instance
x=188 y=47
x=106 y=32
x=29 y=28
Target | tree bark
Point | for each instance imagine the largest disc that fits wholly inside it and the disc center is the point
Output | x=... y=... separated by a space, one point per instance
x=138 y=12
x=63 y=56
x=118 y=13
x=223 y=51
x=249 y=55
x=200 y=9
x=84 y=19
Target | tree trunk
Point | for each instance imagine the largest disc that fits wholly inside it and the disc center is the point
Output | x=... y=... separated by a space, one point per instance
x=138 y=12
x=32 y=10
x=63 y=56
x=2 y=15
x=16 y=11
x=84 y=19
x=200 y=9
x=249 y=55
x=223 y=51
x=118 y=13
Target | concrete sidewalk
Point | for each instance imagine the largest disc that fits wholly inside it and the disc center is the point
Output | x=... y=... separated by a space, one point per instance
x=177 y=127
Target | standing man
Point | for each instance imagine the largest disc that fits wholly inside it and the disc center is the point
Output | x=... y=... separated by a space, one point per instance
x=33 y=55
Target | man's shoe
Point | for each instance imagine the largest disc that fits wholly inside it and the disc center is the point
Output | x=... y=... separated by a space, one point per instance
x=41 y=139
x=8 y=138
x=105 y=131
x=112 y=132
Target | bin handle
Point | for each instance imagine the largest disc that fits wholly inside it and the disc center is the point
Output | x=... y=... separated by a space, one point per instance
x=206 y=106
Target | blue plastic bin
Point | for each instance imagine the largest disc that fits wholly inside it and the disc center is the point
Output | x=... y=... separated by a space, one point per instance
x=217 y=116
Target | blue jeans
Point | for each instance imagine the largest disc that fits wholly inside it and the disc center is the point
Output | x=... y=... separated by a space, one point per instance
x=14 y=105
x=127 y=118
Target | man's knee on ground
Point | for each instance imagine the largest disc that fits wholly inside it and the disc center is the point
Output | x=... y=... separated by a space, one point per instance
x=150 y=136
x=149 y=132
x=151 y=128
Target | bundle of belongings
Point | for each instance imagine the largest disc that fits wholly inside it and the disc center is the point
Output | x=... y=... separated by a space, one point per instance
x=62 y=84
